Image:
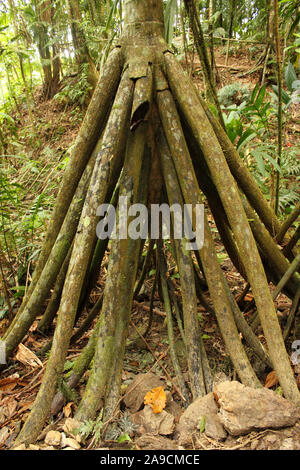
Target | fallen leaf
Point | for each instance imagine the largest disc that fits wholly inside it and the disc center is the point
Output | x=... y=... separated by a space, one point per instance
x=11 y=379
x=156 y=399
x=68 y=409
x=271 y=379
x=134 y=363
x=9 y=383
x=8 y=387
x=248 y=297
x=11 y=407
x=27 y=357
x=25 y=406
x=210 y=328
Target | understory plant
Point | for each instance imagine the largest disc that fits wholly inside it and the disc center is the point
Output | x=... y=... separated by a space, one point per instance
x=250 y=125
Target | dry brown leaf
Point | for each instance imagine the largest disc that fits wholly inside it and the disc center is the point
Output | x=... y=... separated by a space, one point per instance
x=9 y=383
x=8 y=380
x=271 y=379
x=156 y=399
x=25 y=406
x=27 y=357
x=68 y=409
x=8 y=387
x=11 y=407
x=248 y=297
x=210 y=328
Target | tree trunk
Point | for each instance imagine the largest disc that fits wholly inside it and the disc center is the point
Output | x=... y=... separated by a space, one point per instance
x=83 y=57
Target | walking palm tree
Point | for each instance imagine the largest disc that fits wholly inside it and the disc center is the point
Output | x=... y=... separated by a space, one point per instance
x=148 y=131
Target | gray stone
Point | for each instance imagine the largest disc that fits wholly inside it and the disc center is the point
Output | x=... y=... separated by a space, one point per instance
x=287 y=444
x=72 y=443
x=135 y=394
x=244 y=409
x=190 y=419
x=153 y=423
x=151 y=442
x=53 y=438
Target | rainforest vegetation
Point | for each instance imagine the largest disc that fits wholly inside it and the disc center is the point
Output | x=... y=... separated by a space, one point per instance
x=161 y=102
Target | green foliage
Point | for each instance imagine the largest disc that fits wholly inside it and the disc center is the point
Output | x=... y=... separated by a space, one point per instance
x=68 y=393
x=76 y=90
x=171 y=9
x=249 y=126
x=121 y=431
x=202 y=423
x=293 y=51
x=233 y=93
x=233 y=51
x=91 y=428
x=292 y=95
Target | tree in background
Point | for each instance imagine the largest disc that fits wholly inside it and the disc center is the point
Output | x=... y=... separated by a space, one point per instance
x=82 y=55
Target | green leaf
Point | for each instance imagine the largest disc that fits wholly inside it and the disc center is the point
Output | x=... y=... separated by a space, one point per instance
x=202 y=424
x=290 y=76
x=248 y=135
x=8 y=117
x=254 y=92
x=258 y=155
x=285 y=97
x=260 y=96
x=123 y=438
x=68 y=365
x=175 y=276
x=111 y=15
x=294 y=25
x=272 y=161
x=170 y=13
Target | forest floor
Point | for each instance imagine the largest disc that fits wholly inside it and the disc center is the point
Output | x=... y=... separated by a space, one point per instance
x=56 y=127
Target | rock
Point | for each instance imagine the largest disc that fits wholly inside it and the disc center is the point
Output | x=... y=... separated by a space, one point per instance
x=262 y=445
x=20 y=447
x=151 y=442
x=63 y=440
x=72 y=443
x=244 y=409
x=33 y=447
x=71 y=425
x=4 y=433
x=270 y=439
x=153 y=423
x=135 y=394
x=219 y=377
x=173 y=407
x=254 y=445
x=287 y=444
x=53 y=438
x=190 y=419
